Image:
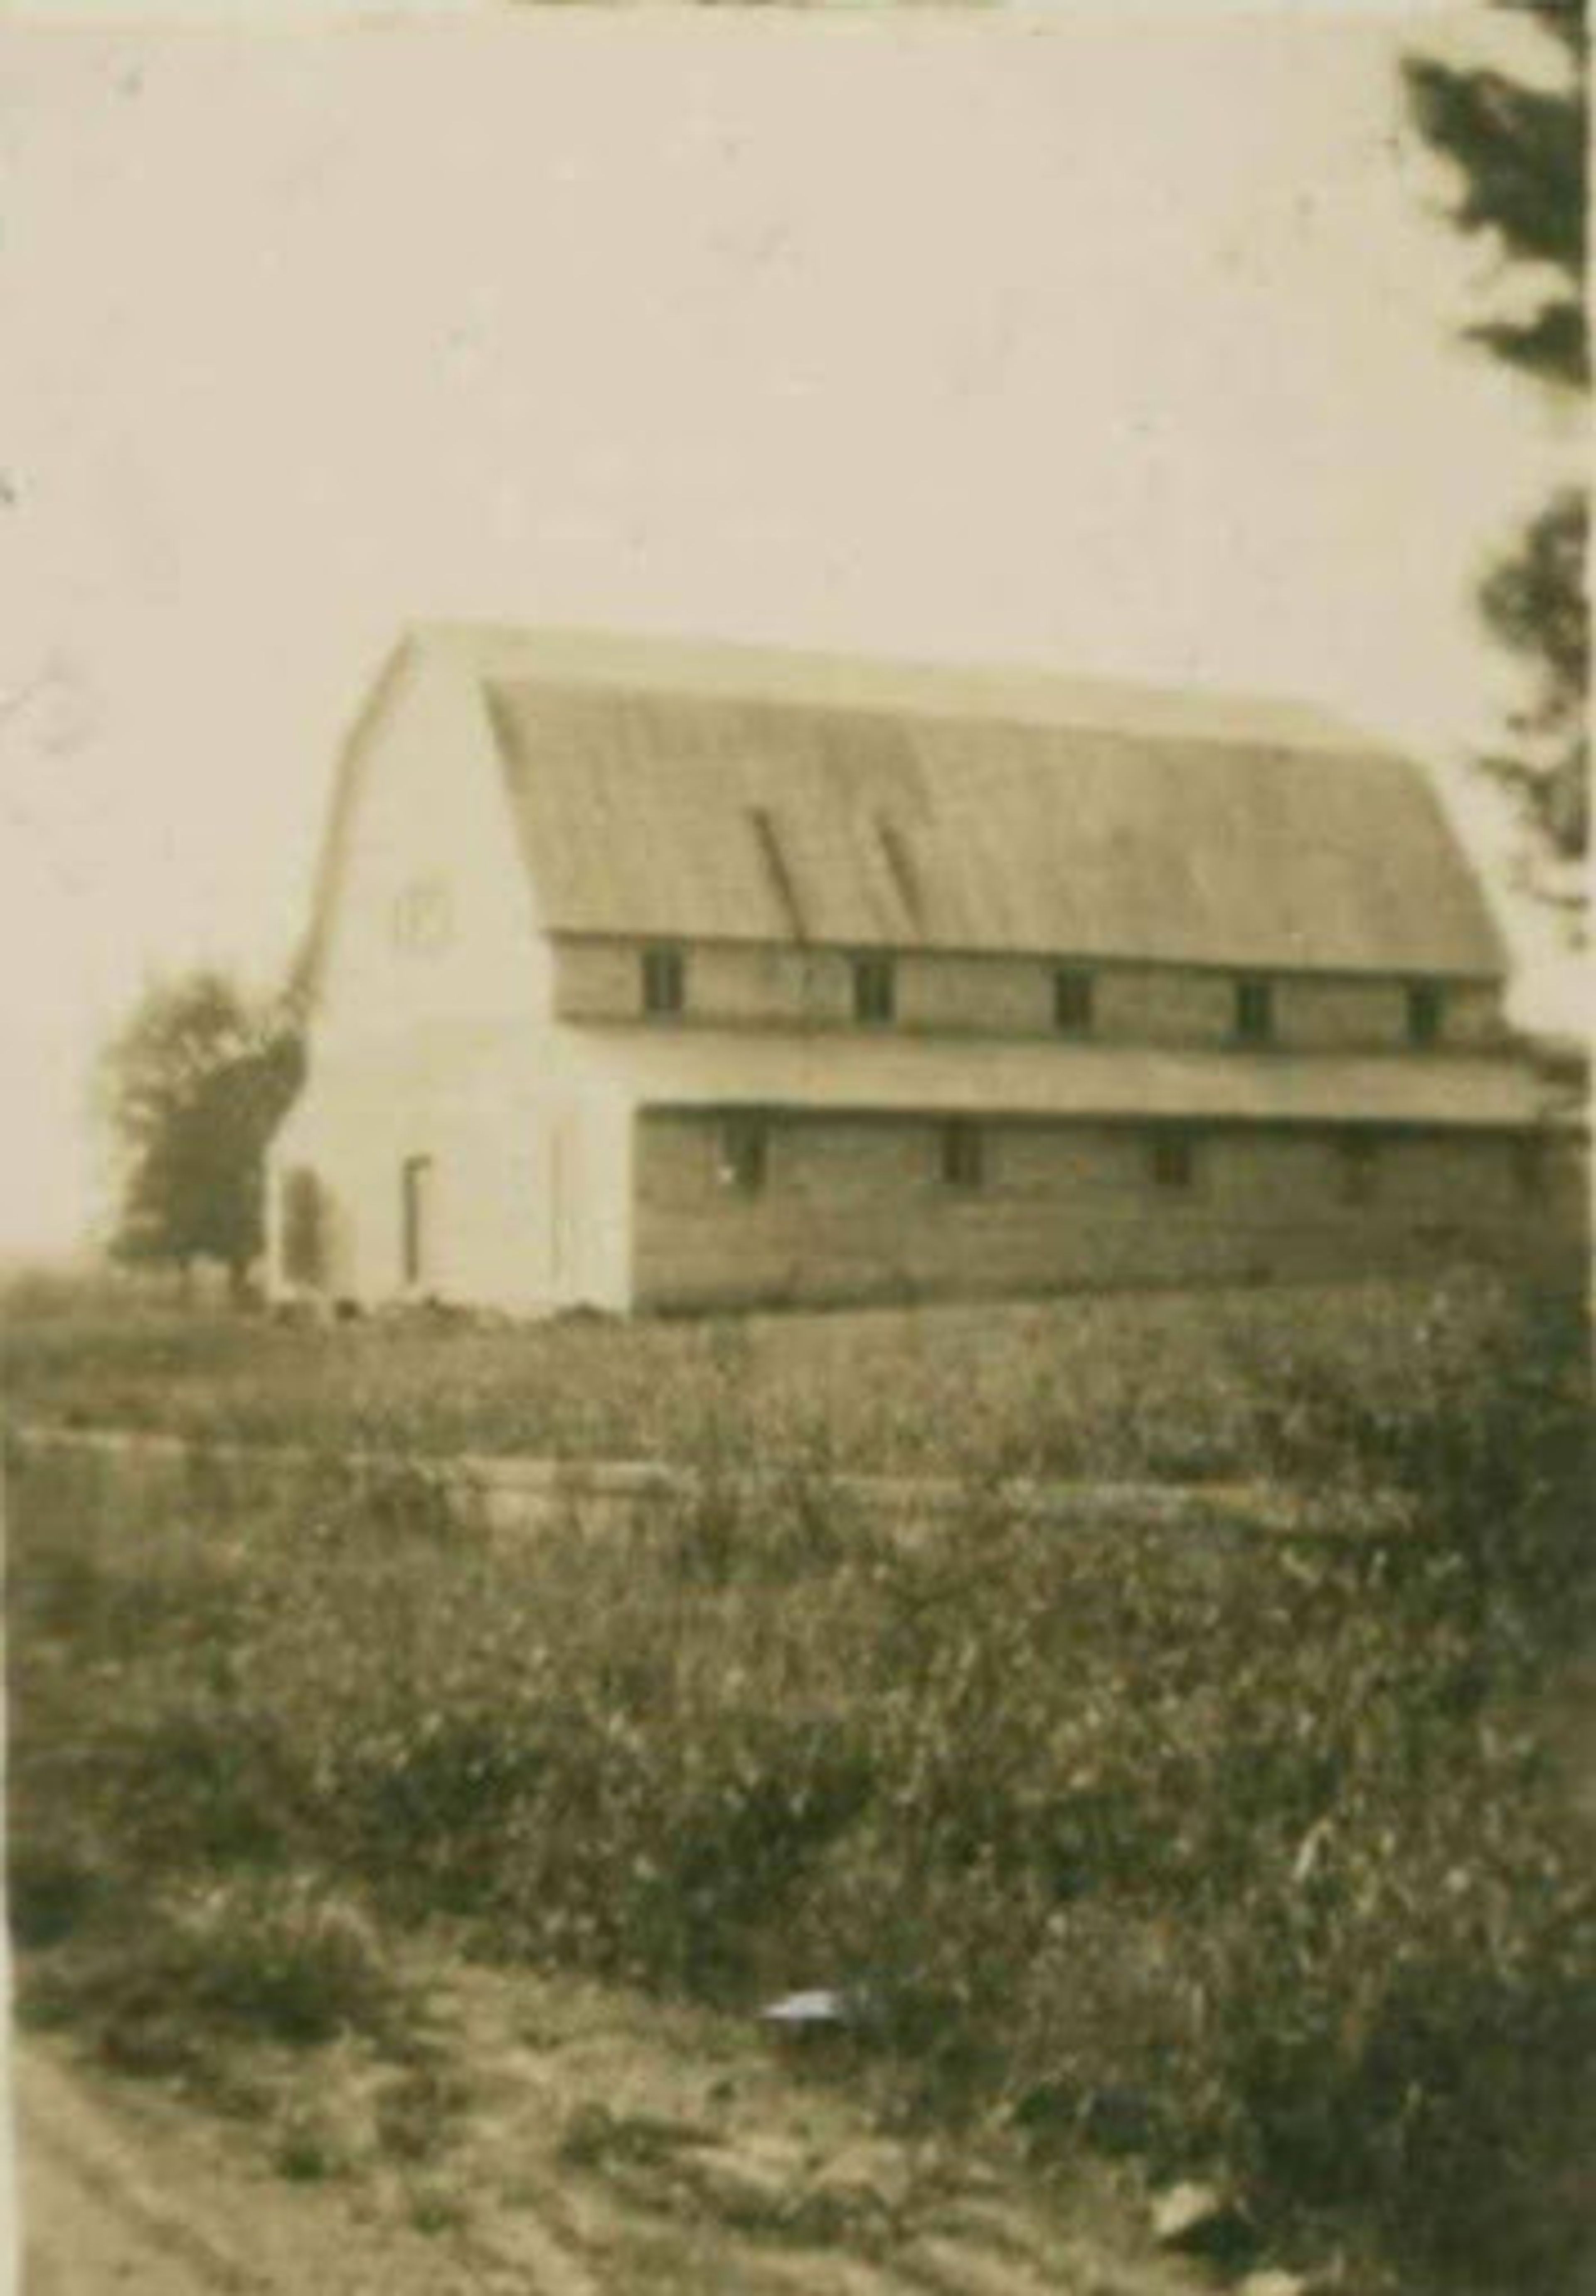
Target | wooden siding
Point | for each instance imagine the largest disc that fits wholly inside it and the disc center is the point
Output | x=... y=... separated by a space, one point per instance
x=732 y=983
x=857 y=1208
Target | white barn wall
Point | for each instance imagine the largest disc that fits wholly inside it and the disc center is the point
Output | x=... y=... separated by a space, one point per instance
x=445 y=1053
x=428 y=801
x=531 y=1180
x=591 y=1207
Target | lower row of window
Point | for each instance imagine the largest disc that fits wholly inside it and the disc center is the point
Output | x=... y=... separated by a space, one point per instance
x=1174 y=1158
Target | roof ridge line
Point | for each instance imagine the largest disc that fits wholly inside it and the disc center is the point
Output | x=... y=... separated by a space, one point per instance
x=760 y=672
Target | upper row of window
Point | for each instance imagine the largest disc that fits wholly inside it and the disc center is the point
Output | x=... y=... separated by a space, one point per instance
x=875 y=978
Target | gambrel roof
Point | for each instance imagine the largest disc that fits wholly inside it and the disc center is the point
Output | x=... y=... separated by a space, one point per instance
x=664 y=790
x=677 y=793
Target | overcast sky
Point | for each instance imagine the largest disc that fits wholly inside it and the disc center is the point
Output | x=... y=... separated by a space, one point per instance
x=1119 y=340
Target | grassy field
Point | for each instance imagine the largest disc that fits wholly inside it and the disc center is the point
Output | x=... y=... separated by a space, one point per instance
x=1179 y=1386
x=1252 y=1857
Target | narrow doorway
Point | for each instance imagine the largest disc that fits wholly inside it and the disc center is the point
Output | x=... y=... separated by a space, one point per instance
x=416 y=1222
x=556 y=1209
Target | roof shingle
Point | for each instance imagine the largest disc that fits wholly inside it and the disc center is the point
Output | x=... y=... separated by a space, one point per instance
x=672 y=792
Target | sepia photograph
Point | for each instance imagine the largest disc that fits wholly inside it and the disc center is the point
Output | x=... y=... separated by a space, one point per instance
x=799 y=1467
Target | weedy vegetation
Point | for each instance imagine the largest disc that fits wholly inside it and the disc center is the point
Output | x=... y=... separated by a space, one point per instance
x=1180 y=1386
x=1223 y=1849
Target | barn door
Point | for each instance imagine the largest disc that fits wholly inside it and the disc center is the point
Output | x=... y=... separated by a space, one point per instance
x=415 y=1221
x=558 y=1198
x=564 y=1203
x=554 y=1209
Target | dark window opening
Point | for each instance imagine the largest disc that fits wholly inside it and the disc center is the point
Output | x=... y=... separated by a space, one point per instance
x=744 y=1154
x=1426 y=1013
x=1255 y=1011
x=875 y=989
x=1173 y=1160
x=1073 y=1001
x=1359 y=1171
x=663 y=980
x=964 y=1155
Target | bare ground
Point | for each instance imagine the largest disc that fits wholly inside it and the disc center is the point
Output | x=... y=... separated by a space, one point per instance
x=550 y=2139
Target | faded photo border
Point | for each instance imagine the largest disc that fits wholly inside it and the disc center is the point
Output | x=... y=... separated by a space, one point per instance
x=1084 y=341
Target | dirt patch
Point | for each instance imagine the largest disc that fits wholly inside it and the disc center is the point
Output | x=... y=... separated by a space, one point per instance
x=552 y=2139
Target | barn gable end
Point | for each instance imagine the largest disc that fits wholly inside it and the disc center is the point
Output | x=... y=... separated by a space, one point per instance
x=434 y=1121
x=424 y=913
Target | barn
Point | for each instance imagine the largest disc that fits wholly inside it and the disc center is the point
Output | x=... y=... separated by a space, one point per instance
x=651 y=975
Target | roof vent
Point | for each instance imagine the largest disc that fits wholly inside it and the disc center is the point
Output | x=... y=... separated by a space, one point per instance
x=768 y=839
x=900 y=867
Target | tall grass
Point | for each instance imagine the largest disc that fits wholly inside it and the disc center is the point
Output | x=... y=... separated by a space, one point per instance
x=1175 y=1386
x=1259 y=1849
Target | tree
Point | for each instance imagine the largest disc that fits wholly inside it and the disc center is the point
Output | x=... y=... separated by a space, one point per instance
x=194 y=1086
x=1520 y=153
x=1536 y=602
x=1517 y=155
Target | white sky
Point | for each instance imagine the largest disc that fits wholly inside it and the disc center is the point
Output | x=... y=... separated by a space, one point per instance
x=1118 y=341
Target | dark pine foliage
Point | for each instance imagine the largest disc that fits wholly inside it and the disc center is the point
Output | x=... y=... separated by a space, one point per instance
x=1519 y=157
x=1519 y=153
x=1536 y=604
